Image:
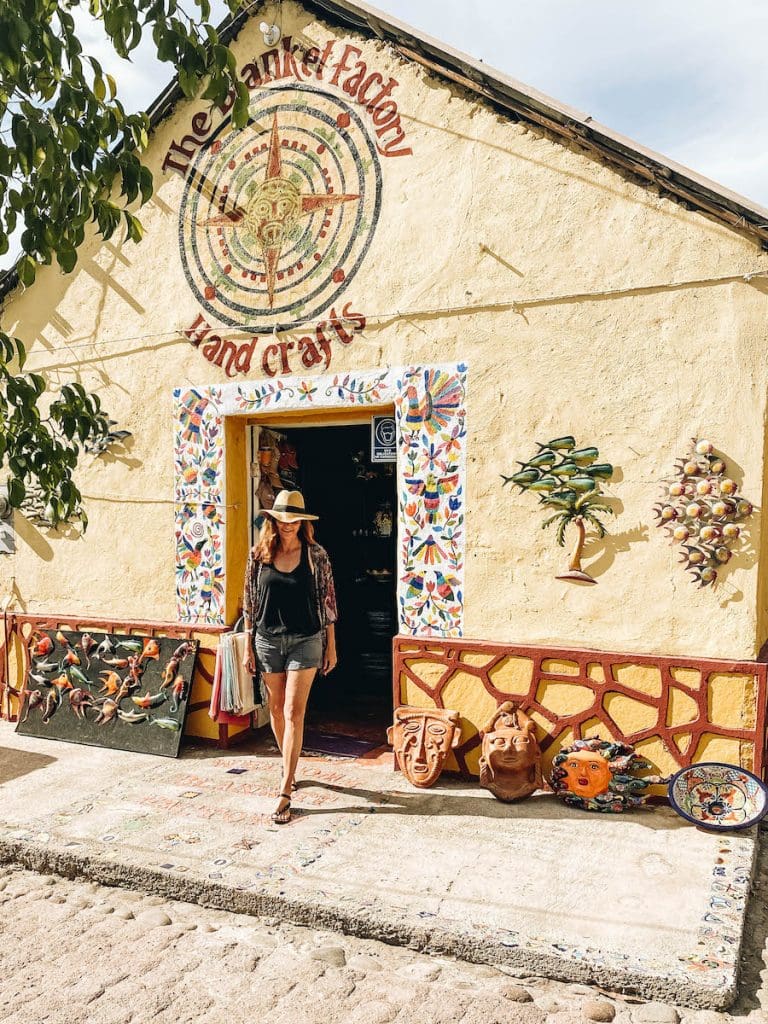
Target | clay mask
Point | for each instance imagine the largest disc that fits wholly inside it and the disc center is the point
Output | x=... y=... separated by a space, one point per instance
x=422 y=739
x=510 y=764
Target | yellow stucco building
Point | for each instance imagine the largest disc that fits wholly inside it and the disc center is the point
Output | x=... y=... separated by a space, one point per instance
x=400 y=230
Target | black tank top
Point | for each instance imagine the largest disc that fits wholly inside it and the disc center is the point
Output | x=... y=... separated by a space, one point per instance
x=287 y=602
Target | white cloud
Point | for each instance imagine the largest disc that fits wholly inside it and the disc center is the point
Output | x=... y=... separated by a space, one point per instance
x=686 y=78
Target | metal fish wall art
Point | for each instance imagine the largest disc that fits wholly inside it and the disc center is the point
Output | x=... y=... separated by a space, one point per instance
x=567 y=481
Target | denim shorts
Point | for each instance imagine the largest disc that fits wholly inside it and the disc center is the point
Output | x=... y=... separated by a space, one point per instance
x=287 y=652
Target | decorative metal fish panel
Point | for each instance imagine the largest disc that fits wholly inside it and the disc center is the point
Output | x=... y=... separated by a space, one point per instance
x=108 y=690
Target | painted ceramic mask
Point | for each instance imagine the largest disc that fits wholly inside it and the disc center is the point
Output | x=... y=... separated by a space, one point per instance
x=586 y=774
x=510 y=763
x=422 y=739
x=599 y=775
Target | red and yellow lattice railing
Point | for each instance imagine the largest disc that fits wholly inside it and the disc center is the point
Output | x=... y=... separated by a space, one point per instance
x=674 y=711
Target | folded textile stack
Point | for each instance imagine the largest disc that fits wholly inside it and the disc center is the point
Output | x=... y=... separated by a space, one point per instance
x=236 y=693
x=237 y=688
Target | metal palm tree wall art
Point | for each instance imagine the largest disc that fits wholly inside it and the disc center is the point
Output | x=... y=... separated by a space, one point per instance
x=567 y=480
x=702 y=511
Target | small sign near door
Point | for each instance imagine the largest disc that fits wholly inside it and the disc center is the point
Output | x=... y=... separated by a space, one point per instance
x=383 y=439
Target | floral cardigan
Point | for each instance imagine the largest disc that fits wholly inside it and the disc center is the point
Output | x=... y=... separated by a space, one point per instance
x=325 y=591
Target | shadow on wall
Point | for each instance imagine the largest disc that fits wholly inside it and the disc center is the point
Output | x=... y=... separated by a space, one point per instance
x=32 y=532
x=744 y=557
x=121 y=452
x=606 y=549
x=30 y=535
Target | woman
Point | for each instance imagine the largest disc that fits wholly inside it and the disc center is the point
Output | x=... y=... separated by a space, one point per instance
x=289 y=607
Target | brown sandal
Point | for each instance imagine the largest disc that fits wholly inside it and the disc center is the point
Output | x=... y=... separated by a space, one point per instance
x=282 y=815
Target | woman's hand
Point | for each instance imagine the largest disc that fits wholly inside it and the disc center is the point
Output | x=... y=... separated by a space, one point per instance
x=249 y=661
x=330 y=659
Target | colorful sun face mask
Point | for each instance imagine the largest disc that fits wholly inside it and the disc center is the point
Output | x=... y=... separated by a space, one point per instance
x=510 y=763
x=598 y=775
x=422 y=739
x=586 y=774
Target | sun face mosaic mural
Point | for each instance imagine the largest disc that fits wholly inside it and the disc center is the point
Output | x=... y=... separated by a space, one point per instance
x=276 y=219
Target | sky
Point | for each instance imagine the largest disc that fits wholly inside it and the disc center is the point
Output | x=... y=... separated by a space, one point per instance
x=688 y=79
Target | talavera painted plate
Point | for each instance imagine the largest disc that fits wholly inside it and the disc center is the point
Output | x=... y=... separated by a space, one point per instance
x=719 y=797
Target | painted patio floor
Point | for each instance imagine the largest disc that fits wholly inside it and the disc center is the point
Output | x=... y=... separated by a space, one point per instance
x=637 y=902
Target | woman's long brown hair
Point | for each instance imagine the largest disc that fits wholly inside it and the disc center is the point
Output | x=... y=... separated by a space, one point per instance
x=265 y=548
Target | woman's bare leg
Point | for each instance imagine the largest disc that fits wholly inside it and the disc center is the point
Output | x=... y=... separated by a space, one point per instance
x=297 y=690
x=275 y=684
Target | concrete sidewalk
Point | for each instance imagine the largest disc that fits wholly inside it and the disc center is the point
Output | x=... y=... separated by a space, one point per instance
x=637 y=902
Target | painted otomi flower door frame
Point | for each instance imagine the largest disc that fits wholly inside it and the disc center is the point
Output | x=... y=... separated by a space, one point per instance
x=430 y=412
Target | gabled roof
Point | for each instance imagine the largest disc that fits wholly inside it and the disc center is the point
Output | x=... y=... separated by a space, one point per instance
x=520 y=103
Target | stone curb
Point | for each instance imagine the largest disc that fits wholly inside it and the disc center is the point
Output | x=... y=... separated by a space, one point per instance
x=525 y=961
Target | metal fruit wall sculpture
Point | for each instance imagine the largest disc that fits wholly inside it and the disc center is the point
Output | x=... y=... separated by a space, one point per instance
x=567 y=480
x=702 y=511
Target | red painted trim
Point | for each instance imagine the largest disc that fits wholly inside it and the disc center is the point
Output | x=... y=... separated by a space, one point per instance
x=76 y=622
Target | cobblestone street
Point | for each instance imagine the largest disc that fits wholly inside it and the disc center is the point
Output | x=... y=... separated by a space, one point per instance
x=75 y=952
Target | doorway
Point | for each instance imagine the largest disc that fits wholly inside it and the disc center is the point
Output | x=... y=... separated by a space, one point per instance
x=355 y=499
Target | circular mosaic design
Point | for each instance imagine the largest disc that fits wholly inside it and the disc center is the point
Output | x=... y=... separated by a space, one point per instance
x=717 y=796
x=276 y=219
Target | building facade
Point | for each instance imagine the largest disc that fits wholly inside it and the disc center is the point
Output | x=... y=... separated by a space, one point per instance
x=400 y=231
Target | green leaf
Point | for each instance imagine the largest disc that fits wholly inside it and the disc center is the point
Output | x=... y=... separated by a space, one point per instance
x=99 y=89
x=70 y=138
x=145 y=183
x=16 y=491
x=552 y=519
x=188 y=82
x=560 y=536
x=240 y=108
x=26 y=268
x=67 y=258
x=134 y=226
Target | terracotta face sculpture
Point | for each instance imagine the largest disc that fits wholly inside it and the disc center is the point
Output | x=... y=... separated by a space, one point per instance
x=423 y=738
x=510 y=763
x=599 y=775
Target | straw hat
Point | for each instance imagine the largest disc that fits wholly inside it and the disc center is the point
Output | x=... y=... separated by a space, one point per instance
x=289 y=507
